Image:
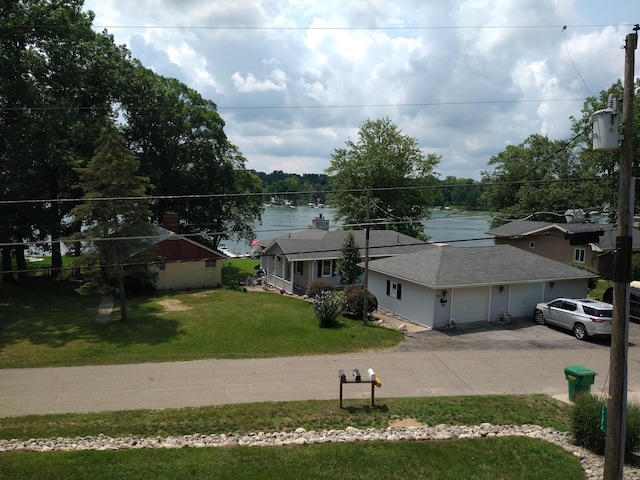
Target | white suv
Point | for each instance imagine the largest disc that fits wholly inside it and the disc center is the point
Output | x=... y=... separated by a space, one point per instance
x=583 y=316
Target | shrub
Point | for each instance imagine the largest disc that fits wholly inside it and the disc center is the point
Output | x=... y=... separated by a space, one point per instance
x=632 y=437
x=327 y=307
x=585 y=424
x=352 y=301
x=319 y=286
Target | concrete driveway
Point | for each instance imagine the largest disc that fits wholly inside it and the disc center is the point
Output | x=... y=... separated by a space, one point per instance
x=490 y=359
x=521 y=333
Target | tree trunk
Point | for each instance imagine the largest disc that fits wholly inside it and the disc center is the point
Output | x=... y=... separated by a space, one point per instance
x=21 y=265
x=77 y=247
x=56 y=259
x=123 y=304
x=7 y=270
x=56 y=255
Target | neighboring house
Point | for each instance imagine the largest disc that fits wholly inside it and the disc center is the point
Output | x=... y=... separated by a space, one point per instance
x=470 y=284
x=292 y=262
x=565 y=242
x=184 y=263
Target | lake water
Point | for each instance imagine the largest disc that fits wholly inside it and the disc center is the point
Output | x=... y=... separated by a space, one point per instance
x=463 y=228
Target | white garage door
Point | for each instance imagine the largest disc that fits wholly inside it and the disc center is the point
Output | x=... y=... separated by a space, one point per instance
x=470 y=304
x=523 y=299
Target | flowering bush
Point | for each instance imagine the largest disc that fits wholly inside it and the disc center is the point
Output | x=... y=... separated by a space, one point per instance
x=327 y=305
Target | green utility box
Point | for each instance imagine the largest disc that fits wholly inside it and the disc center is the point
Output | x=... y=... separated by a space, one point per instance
x=580 y=380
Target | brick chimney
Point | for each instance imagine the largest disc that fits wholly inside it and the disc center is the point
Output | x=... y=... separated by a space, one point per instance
x=320 y=223
x=171 y=221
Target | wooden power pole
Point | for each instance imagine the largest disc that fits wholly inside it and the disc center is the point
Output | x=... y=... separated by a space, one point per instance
x=365 y=300
x=617 y=404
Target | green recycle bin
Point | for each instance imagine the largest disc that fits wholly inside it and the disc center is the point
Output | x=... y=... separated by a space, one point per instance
x=580 y=380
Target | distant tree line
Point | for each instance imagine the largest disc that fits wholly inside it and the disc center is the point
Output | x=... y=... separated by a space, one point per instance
x=451 y=191
x=305 y=188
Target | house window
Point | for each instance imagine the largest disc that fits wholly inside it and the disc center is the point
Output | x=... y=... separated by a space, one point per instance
x=579 y=255
x=325 y=268
x=532 y=244
x=394 y=289
x=210 y=263
x=299 y=268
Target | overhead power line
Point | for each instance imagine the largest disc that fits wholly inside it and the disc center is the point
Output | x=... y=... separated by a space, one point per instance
x=301 y=107
x=326 y=28
x=307 y=192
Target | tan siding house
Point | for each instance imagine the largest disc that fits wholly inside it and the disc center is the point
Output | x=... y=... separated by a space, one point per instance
x=590 y=244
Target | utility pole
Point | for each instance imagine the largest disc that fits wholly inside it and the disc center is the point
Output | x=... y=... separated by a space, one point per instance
x=617 y=404
x=365 y=301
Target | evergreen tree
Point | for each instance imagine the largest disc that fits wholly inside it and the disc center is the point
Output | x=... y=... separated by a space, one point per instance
x=348 y=269
x=113 y=217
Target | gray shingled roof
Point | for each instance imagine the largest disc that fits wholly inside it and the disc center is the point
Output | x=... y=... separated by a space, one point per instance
x=524 y=228
x=314 y=244
x=446 y=266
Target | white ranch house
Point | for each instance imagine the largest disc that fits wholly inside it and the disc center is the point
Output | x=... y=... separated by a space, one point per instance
x=292 y=262
x=441 y=283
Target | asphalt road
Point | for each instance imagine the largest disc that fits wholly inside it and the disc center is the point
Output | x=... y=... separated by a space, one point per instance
x=491 y=359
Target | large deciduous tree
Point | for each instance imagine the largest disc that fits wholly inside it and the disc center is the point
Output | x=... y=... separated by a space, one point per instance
x=542 y=178
x=383 y=174
x=57 y=79
x=115 y=216
x=605 y=165
x=538 y=179
x=180 y=140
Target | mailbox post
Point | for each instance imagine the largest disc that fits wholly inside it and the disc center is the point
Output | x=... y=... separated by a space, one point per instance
x=357 y=378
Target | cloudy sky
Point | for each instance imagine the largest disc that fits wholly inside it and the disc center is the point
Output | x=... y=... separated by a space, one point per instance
x=294 y=79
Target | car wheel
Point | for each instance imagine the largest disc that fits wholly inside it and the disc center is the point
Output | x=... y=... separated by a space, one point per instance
x=580 y=331
x=538 y=317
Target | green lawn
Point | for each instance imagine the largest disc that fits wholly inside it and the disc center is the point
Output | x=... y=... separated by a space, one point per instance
x=48 y=324
x=600 y=288
x=498 y=458
x=507 y=458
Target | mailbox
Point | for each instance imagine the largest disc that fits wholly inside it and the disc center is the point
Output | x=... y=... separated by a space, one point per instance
x=357 y=378
x=374 y=379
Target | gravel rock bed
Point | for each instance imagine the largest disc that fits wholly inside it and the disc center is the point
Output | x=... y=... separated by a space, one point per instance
x=593 y=465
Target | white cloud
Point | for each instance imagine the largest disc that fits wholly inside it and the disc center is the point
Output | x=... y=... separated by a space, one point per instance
x=277 y=81
x=477 y=76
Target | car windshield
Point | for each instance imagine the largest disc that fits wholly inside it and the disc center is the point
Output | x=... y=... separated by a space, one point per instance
x=594 y=312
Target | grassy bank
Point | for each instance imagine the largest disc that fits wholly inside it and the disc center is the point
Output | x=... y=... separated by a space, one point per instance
x=506 y=458
x=287 y=416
